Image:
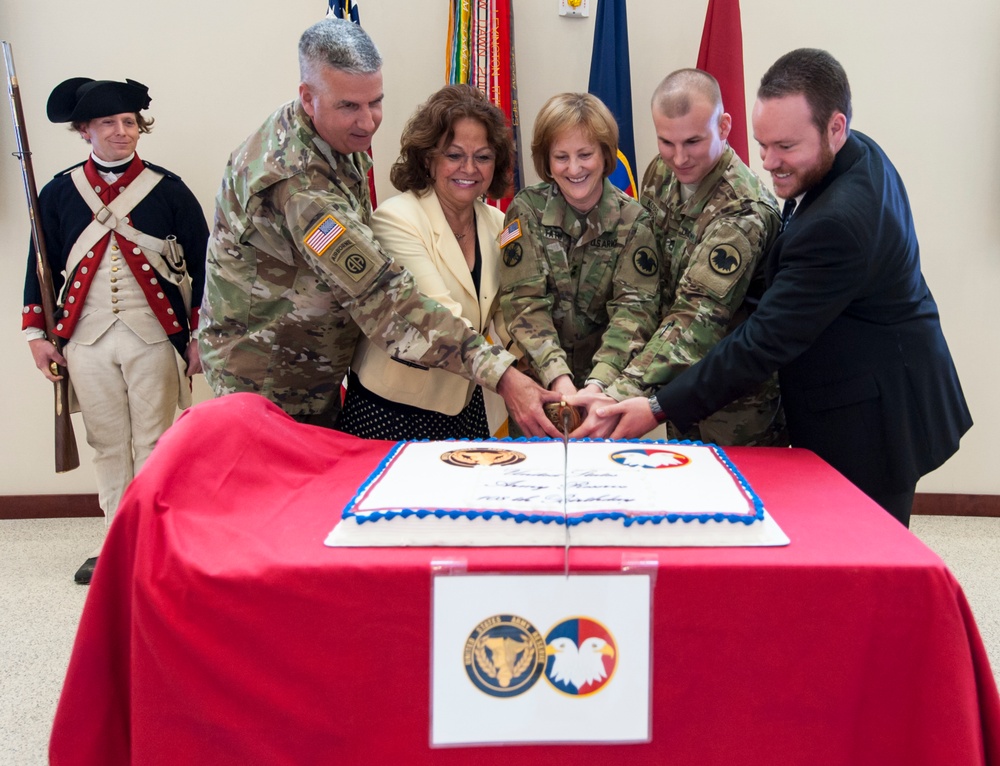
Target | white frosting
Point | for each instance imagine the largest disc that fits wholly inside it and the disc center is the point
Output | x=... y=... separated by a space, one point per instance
x=616 y=493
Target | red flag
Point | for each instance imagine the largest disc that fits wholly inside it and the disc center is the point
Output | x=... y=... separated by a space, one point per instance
x=721 y=55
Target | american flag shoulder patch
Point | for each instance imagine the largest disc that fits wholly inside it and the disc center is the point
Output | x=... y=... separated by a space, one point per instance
x=512 y=232
x=323 y=234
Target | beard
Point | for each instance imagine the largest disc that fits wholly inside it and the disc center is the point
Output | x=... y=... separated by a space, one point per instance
x=811 y=176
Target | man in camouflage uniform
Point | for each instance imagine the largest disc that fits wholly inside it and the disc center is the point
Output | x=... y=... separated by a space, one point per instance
x=579 y=292
x=294 y=274
x=714 y=221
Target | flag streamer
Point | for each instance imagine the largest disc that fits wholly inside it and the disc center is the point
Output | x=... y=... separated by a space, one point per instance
x=480 y=52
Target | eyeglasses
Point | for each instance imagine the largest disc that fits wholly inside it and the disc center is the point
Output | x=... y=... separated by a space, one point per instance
x=457 y=158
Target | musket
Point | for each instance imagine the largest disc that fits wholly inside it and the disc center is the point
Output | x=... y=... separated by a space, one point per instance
x=67 y=456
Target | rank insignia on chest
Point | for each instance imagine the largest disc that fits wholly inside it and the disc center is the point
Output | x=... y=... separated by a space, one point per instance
x=323 y=234
x=512 y=232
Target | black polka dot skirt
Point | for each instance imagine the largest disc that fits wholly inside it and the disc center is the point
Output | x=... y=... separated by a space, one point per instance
x=369 y=416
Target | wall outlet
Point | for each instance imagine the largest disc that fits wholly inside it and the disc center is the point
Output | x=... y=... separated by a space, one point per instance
x=574 y=8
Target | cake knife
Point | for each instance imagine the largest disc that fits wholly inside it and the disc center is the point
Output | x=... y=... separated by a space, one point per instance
x=565 y=415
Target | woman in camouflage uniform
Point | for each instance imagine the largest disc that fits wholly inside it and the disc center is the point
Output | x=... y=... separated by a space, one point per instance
x=580 y=277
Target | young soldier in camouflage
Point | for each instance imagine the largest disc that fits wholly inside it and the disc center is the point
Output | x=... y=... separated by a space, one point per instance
x=580 y=274
x=294 y=275
x=713 y=220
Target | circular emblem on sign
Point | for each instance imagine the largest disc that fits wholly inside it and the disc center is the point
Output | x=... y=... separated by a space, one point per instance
x=645 y=262
x=355 y=263
x=504 y=656
x=581 y=656
x=512 y=255
x=725 y=259
x=467 y=458
x=650 y=458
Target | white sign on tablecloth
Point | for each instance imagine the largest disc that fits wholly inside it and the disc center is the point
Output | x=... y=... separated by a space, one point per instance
x=540 y=658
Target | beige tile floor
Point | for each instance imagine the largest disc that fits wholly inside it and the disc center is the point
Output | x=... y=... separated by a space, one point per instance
x=40 y=607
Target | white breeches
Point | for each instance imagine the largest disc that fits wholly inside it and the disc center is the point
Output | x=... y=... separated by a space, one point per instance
x=127 y=390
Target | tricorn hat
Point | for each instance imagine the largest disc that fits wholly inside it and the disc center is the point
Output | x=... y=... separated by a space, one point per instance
x=80 y=99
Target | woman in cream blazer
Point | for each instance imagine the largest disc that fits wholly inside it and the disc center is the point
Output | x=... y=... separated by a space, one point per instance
x=454 y=149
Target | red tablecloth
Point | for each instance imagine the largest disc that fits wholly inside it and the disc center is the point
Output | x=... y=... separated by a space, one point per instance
x=220 y=630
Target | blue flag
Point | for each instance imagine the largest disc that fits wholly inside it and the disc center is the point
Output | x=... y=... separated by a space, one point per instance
x=345 y=9
x=611 y=81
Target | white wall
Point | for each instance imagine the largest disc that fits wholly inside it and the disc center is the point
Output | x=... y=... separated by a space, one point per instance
x=926 y=81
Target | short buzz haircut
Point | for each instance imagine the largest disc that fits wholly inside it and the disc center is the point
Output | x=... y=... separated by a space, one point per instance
x=673 y=96
x=816 y=75
x=339 y=44
x=566 y=111
x=434 y=123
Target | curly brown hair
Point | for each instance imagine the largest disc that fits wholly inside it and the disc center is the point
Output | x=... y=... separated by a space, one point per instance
x=433 y=125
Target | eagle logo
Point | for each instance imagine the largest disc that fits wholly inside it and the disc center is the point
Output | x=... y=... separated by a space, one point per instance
x=725 y=259
x=581 y=656
x=645 y=262
x=650 y=458
x=504 y=656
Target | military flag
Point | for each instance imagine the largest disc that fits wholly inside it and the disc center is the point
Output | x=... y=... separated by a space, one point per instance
x=480 y=52
x=345 y=9
x=721 y=55
x=348 y=9
x=611 y=81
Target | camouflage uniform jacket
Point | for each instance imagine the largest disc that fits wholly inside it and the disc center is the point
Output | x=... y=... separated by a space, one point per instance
x=294 y=276
x=579 y=293
x=711 y=245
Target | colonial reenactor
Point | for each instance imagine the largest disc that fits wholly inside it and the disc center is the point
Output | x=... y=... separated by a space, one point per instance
x=126 y=247
x=714 y=221
x=294 y=274
x=580 y=271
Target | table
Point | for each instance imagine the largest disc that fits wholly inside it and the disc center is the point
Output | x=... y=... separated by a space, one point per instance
x=220 y=630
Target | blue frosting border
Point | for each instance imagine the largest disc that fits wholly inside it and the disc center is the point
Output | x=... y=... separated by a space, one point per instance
x=520 y=518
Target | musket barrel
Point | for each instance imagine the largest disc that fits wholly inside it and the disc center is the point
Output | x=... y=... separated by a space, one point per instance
x=67 y=456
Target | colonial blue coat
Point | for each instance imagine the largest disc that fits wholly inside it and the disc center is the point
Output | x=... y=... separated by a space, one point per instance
x=170 y=208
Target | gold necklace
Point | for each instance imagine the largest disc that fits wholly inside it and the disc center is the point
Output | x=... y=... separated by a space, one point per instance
x=465 y=232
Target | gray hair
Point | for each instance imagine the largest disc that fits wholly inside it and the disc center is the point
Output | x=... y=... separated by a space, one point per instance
x=339 y=44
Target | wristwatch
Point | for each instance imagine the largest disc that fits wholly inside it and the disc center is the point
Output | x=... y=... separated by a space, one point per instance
x=658 y=413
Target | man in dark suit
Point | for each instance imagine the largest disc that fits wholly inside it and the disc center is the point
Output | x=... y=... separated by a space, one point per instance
x=846 y=319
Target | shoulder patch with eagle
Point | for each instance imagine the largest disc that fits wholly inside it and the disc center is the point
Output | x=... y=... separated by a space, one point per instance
x=721 y=259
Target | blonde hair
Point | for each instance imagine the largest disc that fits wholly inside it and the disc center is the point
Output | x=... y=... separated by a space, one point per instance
x=566 y=111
